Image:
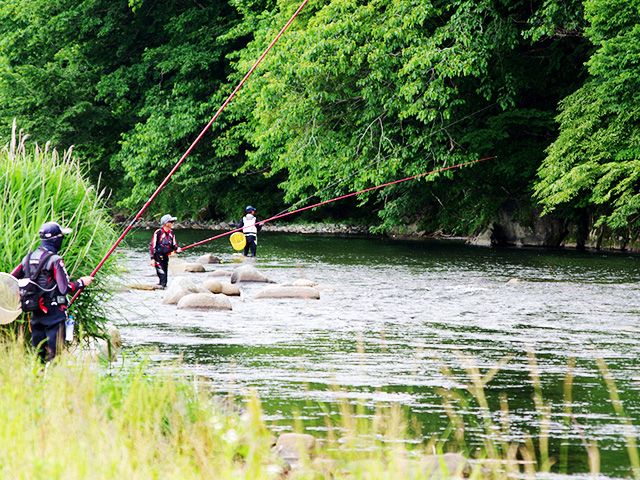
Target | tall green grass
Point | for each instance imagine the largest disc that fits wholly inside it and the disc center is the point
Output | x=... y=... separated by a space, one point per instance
x=38 y=185
x=531 y=456
x=73 y=421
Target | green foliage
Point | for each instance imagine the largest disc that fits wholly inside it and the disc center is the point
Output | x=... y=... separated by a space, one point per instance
x=130 y=86
x=38 y=186
x=371 y=92
x=355 y=94
x=594 y=164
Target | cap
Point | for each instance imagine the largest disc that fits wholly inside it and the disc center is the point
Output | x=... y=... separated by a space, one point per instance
x=250 y=209
x=166 y=219
x=53 y=229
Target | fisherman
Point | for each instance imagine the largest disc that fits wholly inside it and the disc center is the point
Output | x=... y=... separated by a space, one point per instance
x=163 y=244
x=250 y=228
x=45 y=268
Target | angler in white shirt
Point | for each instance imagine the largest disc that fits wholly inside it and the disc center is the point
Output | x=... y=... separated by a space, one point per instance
x=250 y=228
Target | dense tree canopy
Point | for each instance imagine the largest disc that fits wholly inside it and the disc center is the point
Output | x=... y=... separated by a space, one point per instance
x=355 y=94
x=371 y=91
x=594 y=164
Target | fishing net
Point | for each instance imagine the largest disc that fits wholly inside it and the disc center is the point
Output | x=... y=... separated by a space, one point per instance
x=238 y=240
x=9 y=298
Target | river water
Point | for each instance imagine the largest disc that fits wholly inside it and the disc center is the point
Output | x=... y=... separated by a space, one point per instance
x=392 y=313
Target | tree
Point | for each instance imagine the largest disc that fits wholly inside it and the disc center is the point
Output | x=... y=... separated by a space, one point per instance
x=367 y=92
x=594 y=164
x=128 y=85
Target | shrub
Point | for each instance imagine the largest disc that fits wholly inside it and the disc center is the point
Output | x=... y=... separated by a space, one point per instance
x=38 y=185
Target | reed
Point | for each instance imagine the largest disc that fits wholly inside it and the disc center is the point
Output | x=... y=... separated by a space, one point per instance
x=531 y=457
x=72 y=420
x=39 y=185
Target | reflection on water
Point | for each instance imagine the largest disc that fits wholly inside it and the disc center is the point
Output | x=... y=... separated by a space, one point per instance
x=391 y=314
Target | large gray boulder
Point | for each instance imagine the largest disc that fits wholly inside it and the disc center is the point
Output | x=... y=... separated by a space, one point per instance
x=208 y=258
x=248 y=273
x=176 y=265
x=281 y=291
x=194 y=267
x=230 y=290
x=178 y=288
x=214 y=286
x=100 y=349
x=205 y=301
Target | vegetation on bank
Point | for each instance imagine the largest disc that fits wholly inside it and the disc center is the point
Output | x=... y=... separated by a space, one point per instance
x=39 y=185
x=355 y=94
x=77 y=420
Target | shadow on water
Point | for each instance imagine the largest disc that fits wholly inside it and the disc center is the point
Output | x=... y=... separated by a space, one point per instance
x=391 y=314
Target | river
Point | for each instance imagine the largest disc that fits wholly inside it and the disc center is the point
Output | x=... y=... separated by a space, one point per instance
x=392 y=313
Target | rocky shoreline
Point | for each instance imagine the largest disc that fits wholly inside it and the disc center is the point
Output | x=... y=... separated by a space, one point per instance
x=326 y=228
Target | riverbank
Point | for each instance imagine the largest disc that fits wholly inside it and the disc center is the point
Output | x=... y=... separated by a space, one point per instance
x=410 y=231
x=77 y=420
x=507 y=232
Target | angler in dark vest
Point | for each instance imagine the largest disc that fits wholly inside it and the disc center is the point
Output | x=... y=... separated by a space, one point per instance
x=163 y=243
x=45 y=268
x=250 y=228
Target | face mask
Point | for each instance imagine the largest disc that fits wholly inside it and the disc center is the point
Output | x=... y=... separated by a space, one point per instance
x=54 y=244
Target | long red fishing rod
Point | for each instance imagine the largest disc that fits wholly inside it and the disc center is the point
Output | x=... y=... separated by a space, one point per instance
x=177 y=165
x=342 y=197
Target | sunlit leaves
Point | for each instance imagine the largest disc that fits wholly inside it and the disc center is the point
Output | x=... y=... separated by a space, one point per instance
x=368 y=91
x=595 y=162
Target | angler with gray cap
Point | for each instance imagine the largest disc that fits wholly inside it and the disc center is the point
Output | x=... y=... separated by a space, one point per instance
x=45 y=294
x=163 y=244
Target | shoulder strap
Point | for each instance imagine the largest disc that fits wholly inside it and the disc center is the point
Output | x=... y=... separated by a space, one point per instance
x=43 y=261
x=27 y=268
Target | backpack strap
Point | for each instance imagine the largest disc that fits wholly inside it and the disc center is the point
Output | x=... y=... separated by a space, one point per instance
x=26 y=266
x=43 y=261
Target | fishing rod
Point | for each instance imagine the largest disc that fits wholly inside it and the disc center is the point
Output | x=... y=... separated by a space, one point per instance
x=281 y=215
x=177 y=165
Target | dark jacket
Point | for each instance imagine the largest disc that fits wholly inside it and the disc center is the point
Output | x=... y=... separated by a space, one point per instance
x=53 y=280
x=163 y=243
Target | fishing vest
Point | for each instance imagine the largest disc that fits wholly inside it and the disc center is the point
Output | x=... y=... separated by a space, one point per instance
x=164 y=242
x=249 y=225
x=40 y=287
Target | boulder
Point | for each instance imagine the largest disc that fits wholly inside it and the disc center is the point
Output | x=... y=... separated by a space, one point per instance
x=141 y=286
x=205 y=301
x=288 y=292
x=114 y=335
x=214 y=286
x=176 y=265
x=100 y=349
x=179 y=287
x=230 y=290
x=292 y=447
x=515 y=227
x=194 y=267
x=248 y=273
x=220 y=273
x=208 y=258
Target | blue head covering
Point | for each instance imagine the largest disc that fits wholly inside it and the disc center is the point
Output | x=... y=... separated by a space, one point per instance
x=52 y=235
